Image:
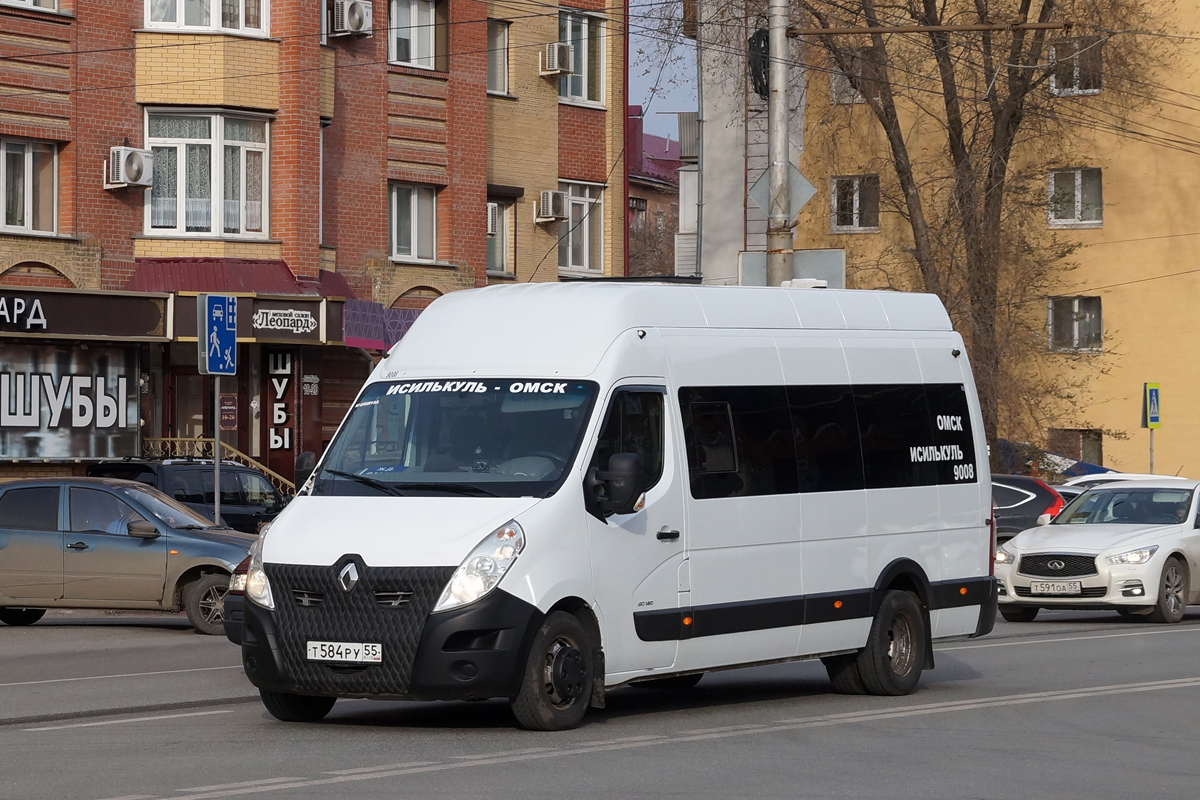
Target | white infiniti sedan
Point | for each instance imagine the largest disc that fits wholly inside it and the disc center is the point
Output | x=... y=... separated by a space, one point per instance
x=1132 y=547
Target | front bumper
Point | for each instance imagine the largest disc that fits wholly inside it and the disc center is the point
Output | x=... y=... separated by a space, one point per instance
x=473 y=652
x=1113 y=586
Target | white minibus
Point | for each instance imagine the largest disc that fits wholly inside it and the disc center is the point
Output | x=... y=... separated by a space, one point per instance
x=545 y=492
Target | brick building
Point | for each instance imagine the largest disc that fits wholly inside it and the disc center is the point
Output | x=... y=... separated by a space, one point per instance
x=336 y=180
x=653 y=216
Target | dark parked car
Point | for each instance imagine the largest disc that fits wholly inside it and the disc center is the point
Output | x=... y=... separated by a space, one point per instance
x=247 y=498
x=104 y=543
x=1018 y=501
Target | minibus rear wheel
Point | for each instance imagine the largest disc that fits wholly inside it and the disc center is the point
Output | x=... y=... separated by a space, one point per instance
x=843 y=674
x=893 y=658
x=557 y=686
x=296 y=707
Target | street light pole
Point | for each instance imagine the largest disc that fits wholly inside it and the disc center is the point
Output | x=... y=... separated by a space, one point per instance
x=779 y=222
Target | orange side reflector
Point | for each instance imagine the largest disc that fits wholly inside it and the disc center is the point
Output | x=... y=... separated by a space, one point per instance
x=963 y=590
x=837 y=603
x=687 y=620
x=174 y=552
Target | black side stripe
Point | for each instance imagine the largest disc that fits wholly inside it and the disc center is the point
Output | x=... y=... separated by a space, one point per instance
x=785 y=612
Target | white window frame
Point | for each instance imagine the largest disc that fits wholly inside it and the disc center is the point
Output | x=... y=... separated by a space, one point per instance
x=502 y=25
x=431 y=33
x=33 y=5
x=856 y=227
x=1078 y=45
x=1077 y=220
x=214 y=18
x=27 y=198
x=394 y=253
x=580 y=195
x=506 y=213
x=216 y=143
x=1076 y=345
x=580 y=67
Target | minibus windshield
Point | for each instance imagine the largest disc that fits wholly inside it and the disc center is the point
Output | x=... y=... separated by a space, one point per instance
x=504 y=437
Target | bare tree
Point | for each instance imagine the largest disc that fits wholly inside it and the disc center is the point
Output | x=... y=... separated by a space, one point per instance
x=652 y=242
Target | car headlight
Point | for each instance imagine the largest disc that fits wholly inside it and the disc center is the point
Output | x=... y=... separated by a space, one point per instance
x=258 y=588
x=1005 y=556
x=484 y=567
x=1140 y=556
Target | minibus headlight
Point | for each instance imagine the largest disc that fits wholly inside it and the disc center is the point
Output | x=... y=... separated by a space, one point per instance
x=258 y=588
x=484 y=567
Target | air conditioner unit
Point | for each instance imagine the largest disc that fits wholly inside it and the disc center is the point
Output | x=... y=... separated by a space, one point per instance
x=557 y=59
x=493 y=219
x=553 y=206
x=128 y=166
x=351 y=18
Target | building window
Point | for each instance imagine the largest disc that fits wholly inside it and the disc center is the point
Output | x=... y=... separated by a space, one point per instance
x=45 y=5
x=244 y=16
x=200 y=158
x=499 y=250
x=497 y=77
x=864 y=66
x=637 y=213
x=414 y=221
x=854 y=204
x=29 y=175
x=586 y=34
x=1076 y=67
x=1074 y=323
x=416 y=30
x=1076 y=199
x=581 y=234
x=1079 y=444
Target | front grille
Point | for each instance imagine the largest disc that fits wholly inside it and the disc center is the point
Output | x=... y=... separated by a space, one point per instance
x=1088 y=591
x=1073 y=565
x=393 y=599
x=307 y=599
x=354 y=616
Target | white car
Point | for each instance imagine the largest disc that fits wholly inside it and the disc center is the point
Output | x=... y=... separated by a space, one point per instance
x=1095 y=479
x=1130 y=546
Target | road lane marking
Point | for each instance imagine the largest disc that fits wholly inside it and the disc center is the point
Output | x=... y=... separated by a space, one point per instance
x=218 y=787
x=133 y=719
x=506 y=753
x=725 y=728
x=360 y=770
x=132 y=797
x=123 y=675
x=781 y=726
x=1189 y=629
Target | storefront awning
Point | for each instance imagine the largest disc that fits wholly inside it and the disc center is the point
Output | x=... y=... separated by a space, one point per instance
x=233 y=276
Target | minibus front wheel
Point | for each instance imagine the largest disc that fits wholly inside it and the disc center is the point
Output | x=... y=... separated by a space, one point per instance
x=556 y=688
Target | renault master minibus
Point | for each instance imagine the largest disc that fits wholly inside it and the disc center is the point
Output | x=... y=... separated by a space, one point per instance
x=545 y=492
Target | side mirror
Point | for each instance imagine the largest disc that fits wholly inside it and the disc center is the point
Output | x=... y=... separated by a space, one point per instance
x=142 y=529
x=1044 y=519
x=306 y=462
x=617 y=490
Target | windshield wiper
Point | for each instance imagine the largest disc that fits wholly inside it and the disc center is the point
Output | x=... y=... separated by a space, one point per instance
x=382 y=486
x=456 y=488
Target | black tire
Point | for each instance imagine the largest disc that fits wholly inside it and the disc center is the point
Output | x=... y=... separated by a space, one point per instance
x=205 y=604
x=1019 y=613
x=556 y=688
x=1172 y=593
x=843 y=674
x=21 y=616
x=894 y=657
x=296 y=707
x=678 y=683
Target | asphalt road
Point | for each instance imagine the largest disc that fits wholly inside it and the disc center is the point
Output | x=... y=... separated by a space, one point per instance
x=1073 y=705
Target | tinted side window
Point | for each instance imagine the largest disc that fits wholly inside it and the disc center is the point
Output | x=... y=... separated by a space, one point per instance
x=34 y=509
x=258 y=491
x=231 y=490
x=827 y=446
x=894 y=425
x=950 y=417
x=186 y=486
x=94 y=510
x=1004 y=497
x=634 y=425
x=739 y=441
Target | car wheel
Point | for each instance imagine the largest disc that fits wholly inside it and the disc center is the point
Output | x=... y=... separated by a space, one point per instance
x=557 y=686
x=21 y=616
x=1172 y=593
x=1019 y=613
x=678 y=683
x=296 y=707
x=205 y=604
x=892 y=661
x=843 y=674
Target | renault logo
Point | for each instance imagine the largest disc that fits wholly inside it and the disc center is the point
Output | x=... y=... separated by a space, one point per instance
x=1055 y=565
x=348 y=576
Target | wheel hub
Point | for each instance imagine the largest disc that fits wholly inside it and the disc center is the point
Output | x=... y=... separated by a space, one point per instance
x=568 y=673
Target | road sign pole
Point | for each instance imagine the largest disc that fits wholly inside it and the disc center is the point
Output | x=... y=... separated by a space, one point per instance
x=1152 y=451
x=217 y=449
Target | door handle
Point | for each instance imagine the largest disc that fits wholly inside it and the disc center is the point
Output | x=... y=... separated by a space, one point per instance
x=78 y=546
x=667 y=535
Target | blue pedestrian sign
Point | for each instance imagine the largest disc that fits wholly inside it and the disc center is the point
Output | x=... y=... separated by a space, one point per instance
x=1153 y=413
x=216 y=332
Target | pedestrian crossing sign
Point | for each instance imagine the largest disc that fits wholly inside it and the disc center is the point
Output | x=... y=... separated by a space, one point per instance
x=1151 y=408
